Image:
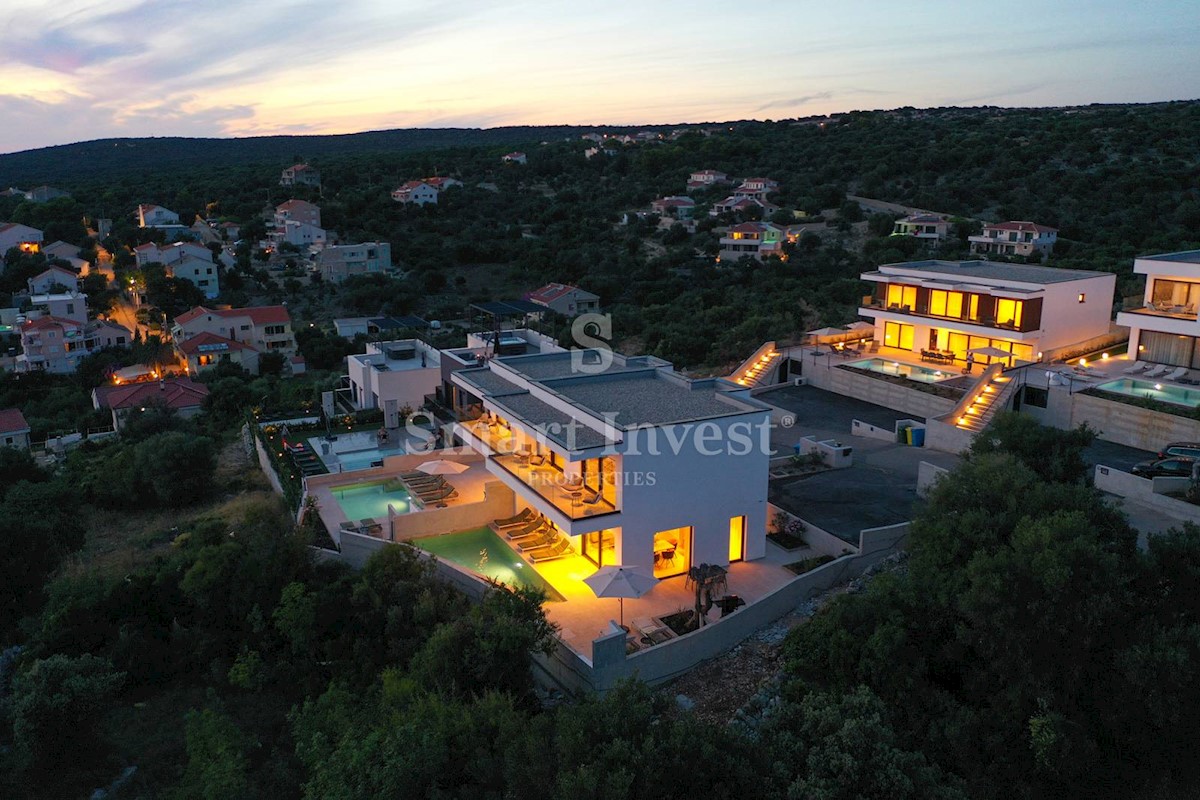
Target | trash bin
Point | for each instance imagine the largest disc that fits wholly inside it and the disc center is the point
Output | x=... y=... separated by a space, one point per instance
x=918 y=437
x=902 y=435
x=908 y=436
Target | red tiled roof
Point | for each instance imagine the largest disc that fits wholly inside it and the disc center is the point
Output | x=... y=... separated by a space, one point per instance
x=551 y=291
x=1021 y=226
x=46 y=272
x=49 y=322
x=177 y=393
x=674 y=202
x=192 y=345
x=292 y=204
x=13 y=421
x=261 y=315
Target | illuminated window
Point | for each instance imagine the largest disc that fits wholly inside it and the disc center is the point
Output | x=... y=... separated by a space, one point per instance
x=737 y=539
x=1008 y=312
x=1082 y=297
x=672 y=552
x=900 y=295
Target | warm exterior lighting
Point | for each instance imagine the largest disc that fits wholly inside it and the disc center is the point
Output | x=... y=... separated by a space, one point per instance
x=1141 y=347
x=895 y=363
x=1104 y=357
x=962 y=420
x=979 y=399
x=1158 y=386
x=1082 y=296
x=1039 y=355
x=1083 y=362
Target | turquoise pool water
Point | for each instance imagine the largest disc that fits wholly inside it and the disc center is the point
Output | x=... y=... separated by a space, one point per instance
x=1166 y=392
x=353 y=460
x=910 y=371
x=370 y=500
x=483 y=552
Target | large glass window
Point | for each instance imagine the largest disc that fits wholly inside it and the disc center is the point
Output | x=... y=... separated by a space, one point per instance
x=600 y=547
x=945 y=304
x=672 y=552
x=900 y=295
x=1169 y=348
x=1176 y=296
x=898 y=335
x=1008 y=312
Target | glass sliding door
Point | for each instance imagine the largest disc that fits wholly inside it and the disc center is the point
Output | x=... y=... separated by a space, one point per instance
x=672 y=552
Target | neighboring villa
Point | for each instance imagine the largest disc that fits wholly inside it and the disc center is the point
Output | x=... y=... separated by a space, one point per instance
x=424 y=192
x=152 y=216
x=184 y=260
x=1029 y=311
x=567 y=300
x=1014 y=239
x=392 y=375
x=928 y=227
x=43 y=194
x=415 y=193
x=740 y=204
x=55 y=280
x=755 y=239
x=22 y=237
x=514 y=158
x=298 y=211
x=205 y=337
x=14 y=430
x=300 y=175
x=56 y=344
x=680 y=208
x=181 y=395
x=606 y=448
x=705 y=178
x=63 y=251
x=1165 y=330
x=757 y=188
x=341 y=261
x=299 y=223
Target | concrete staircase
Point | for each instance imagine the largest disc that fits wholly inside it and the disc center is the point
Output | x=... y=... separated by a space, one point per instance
x=758 y=369
x=992 y=391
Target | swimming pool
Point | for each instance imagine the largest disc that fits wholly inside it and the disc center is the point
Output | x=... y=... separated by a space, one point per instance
x=1165 y=392
x=910 y=371
x=483 y=552
x=370 y=500
x=351 y=460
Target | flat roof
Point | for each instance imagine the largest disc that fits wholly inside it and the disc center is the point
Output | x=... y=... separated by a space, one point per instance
x=648 y=398
x=509 y=308
x=1186 y=256
x=544 y=366
x=997 y=271
x=489 y=382
x=554 y=424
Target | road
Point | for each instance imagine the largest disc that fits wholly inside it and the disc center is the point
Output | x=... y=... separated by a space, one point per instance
x=123 y=313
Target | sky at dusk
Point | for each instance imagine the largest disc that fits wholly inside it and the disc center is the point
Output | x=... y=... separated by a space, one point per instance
x=73 y=70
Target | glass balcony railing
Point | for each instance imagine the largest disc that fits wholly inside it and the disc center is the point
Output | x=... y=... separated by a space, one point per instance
x=551 y=485
x=982 y=322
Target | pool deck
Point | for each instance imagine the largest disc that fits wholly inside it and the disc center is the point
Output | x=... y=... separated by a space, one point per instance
x=399 y=443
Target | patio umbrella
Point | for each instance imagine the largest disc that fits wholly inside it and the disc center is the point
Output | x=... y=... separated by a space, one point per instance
x=860 y=326
x=620 y=582
x=991 y=352
x=440 y=466
x=819 y=332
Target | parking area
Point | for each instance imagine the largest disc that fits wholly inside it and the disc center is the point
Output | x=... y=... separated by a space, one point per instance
x=879 y=489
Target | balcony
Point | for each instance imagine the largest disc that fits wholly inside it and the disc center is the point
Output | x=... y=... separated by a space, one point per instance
x=1166 y=311
x=552 y=486
x=872 y=305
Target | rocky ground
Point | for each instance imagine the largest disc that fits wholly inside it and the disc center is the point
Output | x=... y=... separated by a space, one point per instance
x=740 y=685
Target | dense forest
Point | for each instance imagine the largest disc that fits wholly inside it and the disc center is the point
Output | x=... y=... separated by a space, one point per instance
x=1117 y=181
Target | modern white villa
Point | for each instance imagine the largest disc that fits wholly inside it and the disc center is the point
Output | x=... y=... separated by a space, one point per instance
x=393 y=376
x=952 y=307
x=1165 y=329
x=635 y=463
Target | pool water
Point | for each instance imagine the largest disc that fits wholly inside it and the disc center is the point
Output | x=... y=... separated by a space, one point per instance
x=483 y=552
x=353 y=459
x=1165 y=392
x=910 y=371
x=370 y=500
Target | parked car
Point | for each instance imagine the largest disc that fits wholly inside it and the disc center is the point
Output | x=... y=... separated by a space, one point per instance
x=1174 y=467
x=1185 y=449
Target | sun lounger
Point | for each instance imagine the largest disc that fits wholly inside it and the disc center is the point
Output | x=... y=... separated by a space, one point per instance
x=548 y=538
x=522 y=531
x=1175 y=374
x=543 y=528
x=1156 y=370
x=446 y=493
x=1137 y=366
x=516 y=520
x=428 y=480
x=560 y=550
x=537 y=461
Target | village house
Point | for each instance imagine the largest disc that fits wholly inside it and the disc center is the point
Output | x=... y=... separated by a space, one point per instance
x=757 y=188
x=298 y=223
x=14 y=430
x=298 y=211
x=339 y=262
x=205 y=337
x=680 y=208
x=54 y=280
x=22 y=237
x=513 y=158
x=416 y=193
x=43 y=194
x=57 y=343
x=743 y=205
x=152 y=216
x=300 y=175
x=567 y=300
x=63 y=251
x=184 y=260
x=703 y=179
x=758 y=240
x=1019 y=238
x=182 y=395
x=931 y=228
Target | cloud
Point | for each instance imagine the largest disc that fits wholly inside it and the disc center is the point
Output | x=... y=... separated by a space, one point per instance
x=796 y=101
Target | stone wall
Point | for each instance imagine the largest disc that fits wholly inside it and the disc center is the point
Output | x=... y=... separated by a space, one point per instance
x=1132 y=425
